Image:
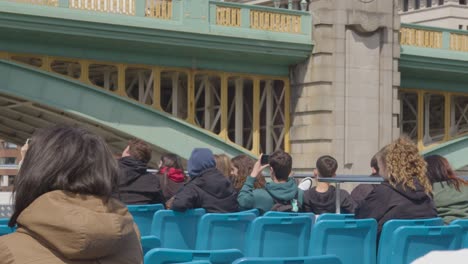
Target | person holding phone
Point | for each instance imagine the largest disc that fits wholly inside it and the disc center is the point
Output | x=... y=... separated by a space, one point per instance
x=281 y=194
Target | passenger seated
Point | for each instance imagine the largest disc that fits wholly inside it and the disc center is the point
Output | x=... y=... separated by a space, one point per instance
x=170 y=175
x=223 y=164
x=450 y=192
x=241 y=166
x=322 y=198
x=207 y=188
x=136 y=184
x=63 y=205
x=361 y=191
x=282 y=189
x=406 y=191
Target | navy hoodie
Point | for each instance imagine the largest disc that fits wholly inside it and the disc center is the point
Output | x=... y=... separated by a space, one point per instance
x=208 y=188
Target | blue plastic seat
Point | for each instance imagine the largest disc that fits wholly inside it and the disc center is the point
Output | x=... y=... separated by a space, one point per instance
x=143 y=216
x=328 y=259
x=224 y=231
x=390 y=226
x=5 y=230
x=176 y=230
x=330 y=216
x=352 y=241
x=408 y=243
x=4 y=221
x=167 y=255
x=279 y=237
x=289 y=214
x=254 y=211
x=463 y=223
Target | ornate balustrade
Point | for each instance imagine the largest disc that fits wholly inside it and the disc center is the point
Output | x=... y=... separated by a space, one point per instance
x=431 y=37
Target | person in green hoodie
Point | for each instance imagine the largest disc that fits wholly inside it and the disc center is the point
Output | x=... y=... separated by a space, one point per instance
x=282 y=189
x=450 y=192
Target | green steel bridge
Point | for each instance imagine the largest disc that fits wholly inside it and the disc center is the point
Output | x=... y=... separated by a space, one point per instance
x=191 y=73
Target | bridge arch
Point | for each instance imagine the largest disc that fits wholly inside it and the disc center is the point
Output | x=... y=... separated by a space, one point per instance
x=31 y=98
x=455 y=151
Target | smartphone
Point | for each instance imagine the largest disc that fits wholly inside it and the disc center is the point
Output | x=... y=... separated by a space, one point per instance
x=265 y=159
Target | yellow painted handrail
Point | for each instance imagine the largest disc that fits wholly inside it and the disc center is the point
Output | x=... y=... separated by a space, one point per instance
x=421 y=38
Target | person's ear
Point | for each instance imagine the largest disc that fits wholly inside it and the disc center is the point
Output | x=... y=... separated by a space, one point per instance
x=126 y=152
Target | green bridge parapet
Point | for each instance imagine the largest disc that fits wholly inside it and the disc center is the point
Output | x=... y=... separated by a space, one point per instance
x=196 y=16
x=433 y=37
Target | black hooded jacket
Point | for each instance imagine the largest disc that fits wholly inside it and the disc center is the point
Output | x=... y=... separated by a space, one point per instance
x=136 y=185
x=210 y=190
x=386 y=202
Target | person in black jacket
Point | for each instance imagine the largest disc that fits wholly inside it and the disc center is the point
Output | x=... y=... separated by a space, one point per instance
x=207 y=188
x=136 y=185
x=321 y=198
x=406 y=193
x=361 y=191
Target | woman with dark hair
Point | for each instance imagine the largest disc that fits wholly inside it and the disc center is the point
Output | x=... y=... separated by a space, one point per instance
x=241 y=166
x=450 y=192
x=171 y=175
x=63 y=206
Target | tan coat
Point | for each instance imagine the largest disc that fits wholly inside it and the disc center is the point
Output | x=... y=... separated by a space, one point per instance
x=59 y=228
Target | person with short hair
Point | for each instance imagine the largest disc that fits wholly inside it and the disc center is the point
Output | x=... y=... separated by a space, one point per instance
x=322 y=198
x=241 y=166
x=282 y=189
x=63 y=206
x=207 y=188
x=136 y=184
x=450 y=192
x=360 y=192
x=406 y=191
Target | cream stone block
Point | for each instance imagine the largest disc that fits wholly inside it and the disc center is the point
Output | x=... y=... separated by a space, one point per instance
x=311 y=132
x=314 y=103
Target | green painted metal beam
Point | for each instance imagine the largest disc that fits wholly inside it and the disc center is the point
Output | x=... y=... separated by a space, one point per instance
x=455 y=151
x=185 y=41
x=108 y=109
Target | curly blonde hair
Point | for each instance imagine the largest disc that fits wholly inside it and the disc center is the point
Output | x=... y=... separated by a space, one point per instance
x=403 y=164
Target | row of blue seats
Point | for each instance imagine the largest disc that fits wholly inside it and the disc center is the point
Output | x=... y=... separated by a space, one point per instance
x=353 y=241
x=227 y=256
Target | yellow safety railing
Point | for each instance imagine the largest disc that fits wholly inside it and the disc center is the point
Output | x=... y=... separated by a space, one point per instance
x=161 y=9
x=458 y=42
x=228 y=16
x=421 y=38
x=272 y=21
x=124 y=7
x=38 y=2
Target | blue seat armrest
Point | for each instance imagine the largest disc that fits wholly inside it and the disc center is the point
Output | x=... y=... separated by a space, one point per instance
x=150 y=242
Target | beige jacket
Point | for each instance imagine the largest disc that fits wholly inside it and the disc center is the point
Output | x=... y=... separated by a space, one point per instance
x=60 y=227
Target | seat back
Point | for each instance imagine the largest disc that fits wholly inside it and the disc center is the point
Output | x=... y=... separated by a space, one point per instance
x=352 y=241
x=177 y=229
x=330 y=216
x=143 y=216
x=463 y=223
x=289 y=214
x=299 y=260
x=4 y=221
x=166 y=255
x=279 y=237
x=390 y=226
x=224 y=231
x=254 y=211
x=5 y=230
x=408 y=243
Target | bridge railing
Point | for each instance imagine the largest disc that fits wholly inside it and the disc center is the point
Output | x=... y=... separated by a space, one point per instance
x=202 y=14
x=433 y=37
